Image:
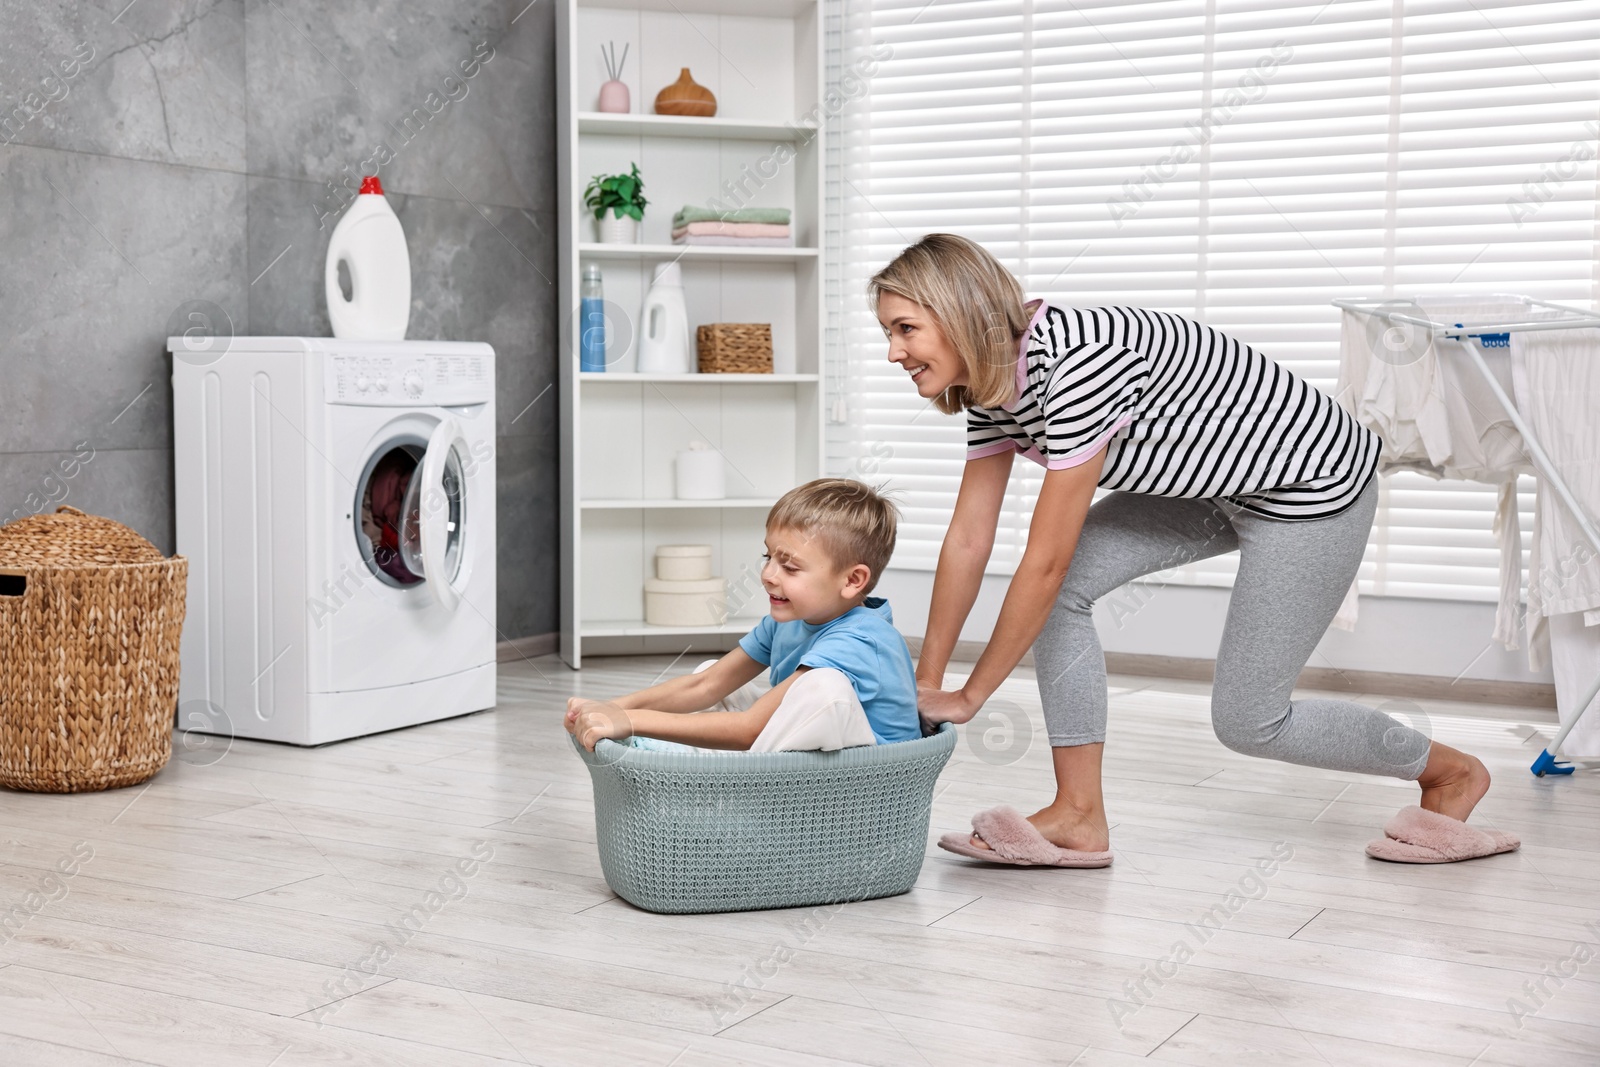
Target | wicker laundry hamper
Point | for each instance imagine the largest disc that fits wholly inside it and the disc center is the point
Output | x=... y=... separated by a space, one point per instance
x=90 y=618
x=737 y=831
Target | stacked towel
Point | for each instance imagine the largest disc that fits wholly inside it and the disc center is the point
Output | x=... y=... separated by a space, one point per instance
x=751 y=227
x=776 y=216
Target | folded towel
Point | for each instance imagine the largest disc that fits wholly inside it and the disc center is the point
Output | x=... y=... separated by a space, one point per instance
x=753 y=242
x=731 y=229
x=777 y=216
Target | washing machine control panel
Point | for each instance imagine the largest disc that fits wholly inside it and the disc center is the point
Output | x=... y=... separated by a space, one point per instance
x=409 y=380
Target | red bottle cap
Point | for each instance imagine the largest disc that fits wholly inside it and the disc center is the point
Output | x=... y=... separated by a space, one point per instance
x=370 y=184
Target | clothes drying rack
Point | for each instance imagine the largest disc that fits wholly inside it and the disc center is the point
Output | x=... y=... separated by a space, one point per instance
x=1498 y=335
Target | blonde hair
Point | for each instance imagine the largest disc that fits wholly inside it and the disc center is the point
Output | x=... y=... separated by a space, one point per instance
x=978 y=305
x=854 y=522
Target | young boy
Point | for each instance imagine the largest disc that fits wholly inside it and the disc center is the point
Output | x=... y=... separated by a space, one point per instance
x=841 y=673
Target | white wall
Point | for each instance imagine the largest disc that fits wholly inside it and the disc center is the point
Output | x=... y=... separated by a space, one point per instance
x=1443 y=638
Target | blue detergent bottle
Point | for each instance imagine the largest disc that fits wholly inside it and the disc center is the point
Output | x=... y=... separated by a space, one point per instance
x=592 y=322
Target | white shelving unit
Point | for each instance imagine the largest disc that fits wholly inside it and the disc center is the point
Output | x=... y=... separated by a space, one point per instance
x=620 y=430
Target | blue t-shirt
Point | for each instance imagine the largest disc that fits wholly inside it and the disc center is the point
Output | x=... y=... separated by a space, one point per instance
x=865 y=646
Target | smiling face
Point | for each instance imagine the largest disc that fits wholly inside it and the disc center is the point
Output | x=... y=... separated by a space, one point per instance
x=918 y=346
x=803 y=581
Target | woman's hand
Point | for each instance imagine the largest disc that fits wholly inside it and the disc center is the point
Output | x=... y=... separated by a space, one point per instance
x=943 y=705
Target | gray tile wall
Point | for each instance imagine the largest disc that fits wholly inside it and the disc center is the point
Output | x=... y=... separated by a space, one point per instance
x=165 y=152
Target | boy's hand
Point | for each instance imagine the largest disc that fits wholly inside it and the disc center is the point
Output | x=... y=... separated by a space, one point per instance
x=597 y=721
x=940 y=705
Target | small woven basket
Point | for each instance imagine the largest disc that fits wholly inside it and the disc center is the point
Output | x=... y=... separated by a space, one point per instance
x=734 y=347
x=736 y=831
x=90 y=619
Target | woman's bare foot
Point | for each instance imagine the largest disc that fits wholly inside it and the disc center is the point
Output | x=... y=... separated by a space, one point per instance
x=1453 y=782
x=1067 y=827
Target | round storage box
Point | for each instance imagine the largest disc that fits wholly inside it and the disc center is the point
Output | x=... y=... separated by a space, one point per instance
x=90 y=618
x=702 y=473
x=701 y=603
x=683 y=563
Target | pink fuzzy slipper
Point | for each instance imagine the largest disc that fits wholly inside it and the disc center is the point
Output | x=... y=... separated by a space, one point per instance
x=1417 y=835
x=1013 y=840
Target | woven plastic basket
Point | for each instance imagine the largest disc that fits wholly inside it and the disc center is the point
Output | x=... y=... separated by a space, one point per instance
x=90 y=618
x=737 y=831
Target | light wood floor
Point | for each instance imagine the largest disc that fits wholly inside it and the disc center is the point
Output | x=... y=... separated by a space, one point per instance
x=247 y=910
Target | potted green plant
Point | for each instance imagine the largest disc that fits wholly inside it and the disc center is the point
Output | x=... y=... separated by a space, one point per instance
x=618 y=203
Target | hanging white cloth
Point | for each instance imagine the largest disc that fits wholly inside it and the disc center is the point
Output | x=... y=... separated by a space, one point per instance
x=1557 y=374
x=1575 y=660
x=1437 y=416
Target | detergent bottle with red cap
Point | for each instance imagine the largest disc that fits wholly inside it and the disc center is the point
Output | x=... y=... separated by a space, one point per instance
x=369 y=242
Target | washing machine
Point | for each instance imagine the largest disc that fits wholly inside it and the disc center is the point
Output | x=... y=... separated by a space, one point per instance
x=336 y=502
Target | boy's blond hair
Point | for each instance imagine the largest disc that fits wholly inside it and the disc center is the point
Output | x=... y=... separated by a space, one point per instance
x=853 y=522
x=978 y=305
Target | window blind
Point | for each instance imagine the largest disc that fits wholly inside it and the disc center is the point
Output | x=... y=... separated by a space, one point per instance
x=1242 y=162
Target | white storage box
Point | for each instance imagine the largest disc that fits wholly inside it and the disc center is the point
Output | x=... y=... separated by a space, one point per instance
x=702 y=473
x=683 y=563
x=692 y=603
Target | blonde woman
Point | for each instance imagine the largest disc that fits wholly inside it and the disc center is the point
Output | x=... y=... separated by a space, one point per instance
x=1207 y=447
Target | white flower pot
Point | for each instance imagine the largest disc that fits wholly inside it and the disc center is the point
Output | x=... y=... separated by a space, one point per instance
x=615 y=231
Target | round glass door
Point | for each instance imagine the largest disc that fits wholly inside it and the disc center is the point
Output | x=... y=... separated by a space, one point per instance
x=446 y=498
x=411 y=512
x=440 y=513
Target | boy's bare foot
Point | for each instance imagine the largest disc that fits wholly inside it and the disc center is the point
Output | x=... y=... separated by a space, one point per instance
x=1067 y=827
x=598 y=721
x=1453 y=782
x=578 y=705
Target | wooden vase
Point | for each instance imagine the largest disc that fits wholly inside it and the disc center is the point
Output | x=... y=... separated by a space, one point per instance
x=686 y=97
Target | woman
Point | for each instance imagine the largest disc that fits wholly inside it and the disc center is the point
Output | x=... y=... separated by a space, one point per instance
x=1208 y=447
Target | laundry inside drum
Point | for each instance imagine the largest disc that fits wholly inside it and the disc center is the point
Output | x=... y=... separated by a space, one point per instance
x=388 y=537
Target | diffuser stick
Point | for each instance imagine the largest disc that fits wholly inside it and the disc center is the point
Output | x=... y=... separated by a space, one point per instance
x=613 y=65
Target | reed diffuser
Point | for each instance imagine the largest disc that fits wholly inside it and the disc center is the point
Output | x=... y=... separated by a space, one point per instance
x=614 y=96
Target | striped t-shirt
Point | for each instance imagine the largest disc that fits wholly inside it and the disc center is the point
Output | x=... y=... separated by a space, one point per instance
x=1182 y=411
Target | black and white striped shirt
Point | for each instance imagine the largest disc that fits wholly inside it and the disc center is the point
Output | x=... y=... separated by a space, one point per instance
x=1182 y=411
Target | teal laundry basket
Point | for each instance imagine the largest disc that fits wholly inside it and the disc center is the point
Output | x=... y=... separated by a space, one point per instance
x=737 y=831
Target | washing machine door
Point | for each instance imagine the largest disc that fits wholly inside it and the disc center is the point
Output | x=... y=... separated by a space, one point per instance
x=435 y=511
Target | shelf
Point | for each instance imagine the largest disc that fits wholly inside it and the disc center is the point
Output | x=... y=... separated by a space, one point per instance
x=681 y=126
x=672 y=502
x=596 y=250
x=762 y=8
x=640 y=628
x=696 y=379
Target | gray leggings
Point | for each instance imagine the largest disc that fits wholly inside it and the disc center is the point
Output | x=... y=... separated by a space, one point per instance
x=1292 y=578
